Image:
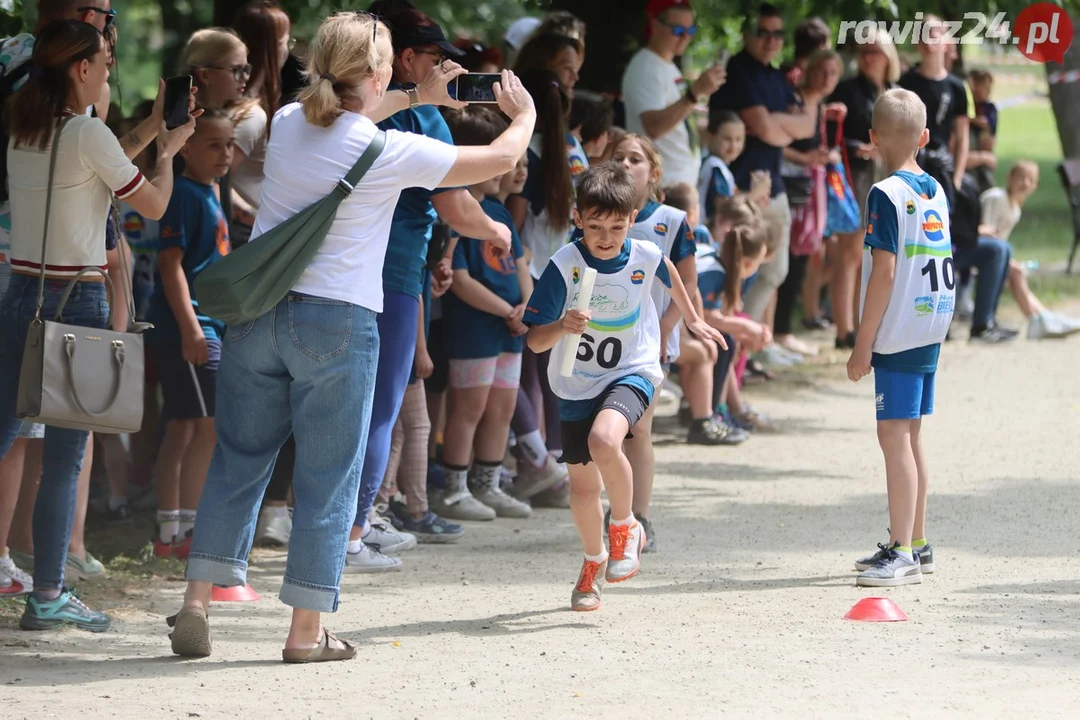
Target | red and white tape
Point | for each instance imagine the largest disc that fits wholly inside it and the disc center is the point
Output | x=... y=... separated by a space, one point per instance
x=1060 y=77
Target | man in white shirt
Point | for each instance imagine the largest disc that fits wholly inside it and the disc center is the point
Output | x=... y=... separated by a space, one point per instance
x=659 y=103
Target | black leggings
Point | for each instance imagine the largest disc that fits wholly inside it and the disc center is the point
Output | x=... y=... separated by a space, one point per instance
x=724 y=359
x=788 y=294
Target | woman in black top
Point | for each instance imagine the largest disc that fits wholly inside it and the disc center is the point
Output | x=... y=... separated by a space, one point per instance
x=879 y=69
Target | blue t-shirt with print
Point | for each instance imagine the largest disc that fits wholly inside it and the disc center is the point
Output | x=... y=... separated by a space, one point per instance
x=194 y=223
x=414 y=216
x=883 y=233
x=549 y=300
x=473 y=333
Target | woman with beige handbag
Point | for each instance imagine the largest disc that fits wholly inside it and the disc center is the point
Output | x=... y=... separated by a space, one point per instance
x=64 y=168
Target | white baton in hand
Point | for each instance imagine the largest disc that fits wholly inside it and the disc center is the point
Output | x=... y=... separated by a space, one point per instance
x=572 y=341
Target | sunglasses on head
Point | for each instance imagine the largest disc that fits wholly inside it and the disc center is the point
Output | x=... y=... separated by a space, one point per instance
x=110 y=15
x=681 y=30
x=764 y=34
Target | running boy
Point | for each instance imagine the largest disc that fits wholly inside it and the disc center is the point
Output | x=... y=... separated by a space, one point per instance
x=187 y=343
x=907 y=305
x=617 y=369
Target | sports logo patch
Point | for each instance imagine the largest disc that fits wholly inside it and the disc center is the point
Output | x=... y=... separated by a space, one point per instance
x=925 y=305
x=637 y=277
x=661 y=228
x=933 y=226
x=879 y=401
x=575 y=274
x=910 y=207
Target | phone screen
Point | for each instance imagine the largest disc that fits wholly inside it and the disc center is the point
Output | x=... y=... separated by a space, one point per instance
x=475 y=87
x=177 y=94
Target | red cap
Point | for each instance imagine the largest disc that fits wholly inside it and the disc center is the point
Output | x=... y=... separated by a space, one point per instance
x=655 y=8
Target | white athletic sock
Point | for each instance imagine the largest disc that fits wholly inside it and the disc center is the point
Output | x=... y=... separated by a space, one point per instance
x=486 y=474
x=355 y=546
x=456 y=480
x=596 y=558
x=628 y=521
x=168 y=525
x=280 y=511
x=187 y=522
x=533 y=448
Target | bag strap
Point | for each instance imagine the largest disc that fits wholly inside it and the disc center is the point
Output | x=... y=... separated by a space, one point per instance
x=48 y=207
x=125 y=271
x=371 y=153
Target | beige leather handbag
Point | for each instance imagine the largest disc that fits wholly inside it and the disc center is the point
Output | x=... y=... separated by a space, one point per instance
x=80 y=377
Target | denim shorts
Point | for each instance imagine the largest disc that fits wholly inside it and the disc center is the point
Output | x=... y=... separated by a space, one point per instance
x=29 y=430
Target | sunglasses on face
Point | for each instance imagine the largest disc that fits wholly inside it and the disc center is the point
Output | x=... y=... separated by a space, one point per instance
x=437 y=54
x=681 y=30
x=764 y=34
x=110 y=15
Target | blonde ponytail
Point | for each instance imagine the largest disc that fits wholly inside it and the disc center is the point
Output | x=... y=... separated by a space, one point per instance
x=348 y=48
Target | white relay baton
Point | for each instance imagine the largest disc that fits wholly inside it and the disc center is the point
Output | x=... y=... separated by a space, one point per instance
x=572 y=341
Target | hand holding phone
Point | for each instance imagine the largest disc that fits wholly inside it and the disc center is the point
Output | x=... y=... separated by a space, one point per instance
x=475 y=88
x=177 y=98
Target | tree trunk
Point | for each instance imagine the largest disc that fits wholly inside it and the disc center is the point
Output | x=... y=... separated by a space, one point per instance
x=1065 y=96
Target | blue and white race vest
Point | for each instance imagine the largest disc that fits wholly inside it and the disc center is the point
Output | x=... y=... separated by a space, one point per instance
x=661 y=229
x=623 y=336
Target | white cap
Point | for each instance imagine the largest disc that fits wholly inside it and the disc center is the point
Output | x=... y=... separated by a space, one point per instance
x=520 y=30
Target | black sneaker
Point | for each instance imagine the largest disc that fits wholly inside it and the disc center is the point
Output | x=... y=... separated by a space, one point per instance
x=991 y=335
x=846 y=343
x=650 y=535
x=67 y=609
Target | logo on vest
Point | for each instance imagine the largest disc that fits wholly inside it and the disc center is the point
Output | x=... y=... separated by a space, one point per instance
x=932 y=226
x=637 y=277
x=910 y=207
x=575 y=274
x=661 y=228
x=933 y=240
x=924 y=305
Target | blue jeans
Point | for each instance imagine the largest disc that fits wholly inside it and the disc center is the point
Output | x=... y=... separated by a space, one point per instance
x=991 y=257
x=307 y=367
x=54 y=510
x=397 y=348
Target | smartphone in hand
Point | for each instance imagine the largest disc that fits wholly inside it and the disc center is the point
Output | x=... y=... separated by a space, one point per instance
x=475 y=88
x=177 y=101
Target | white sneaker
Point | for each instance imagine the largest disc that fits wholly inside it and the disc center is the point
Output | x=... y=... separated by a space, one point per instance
x=14 y=581
x=533 y=481
x=624 y=557
x=1065 y=324
x=776 y=357
x=274 y=526
x=503 y=505
x=370 y=560
x=459 y=505
x=383 y=537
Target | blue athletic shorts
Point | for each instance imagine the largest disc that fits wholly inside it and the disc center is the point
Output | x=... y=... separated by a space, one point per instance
x=902 y=395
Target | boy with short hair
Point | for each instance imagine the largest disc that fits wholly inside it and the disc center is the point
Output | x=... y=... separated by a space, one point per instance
x=186 y=343
x=907 y=305
x=617 y=368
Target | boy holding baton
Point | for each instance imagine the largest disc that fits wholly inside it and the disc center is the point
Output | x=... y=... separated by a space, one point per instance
x=617 y=367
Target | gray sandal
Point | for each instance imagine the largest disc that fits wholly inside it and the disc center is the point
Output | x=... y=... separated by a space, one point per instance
x=191 y=633
x=323 y=652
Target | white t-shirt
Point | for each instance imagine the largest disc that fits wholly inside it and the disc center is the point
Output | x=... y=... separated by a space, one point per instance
x=90 y=167
x=250 y=140
x=999 y=211
x=652 y=83
x=304 y=163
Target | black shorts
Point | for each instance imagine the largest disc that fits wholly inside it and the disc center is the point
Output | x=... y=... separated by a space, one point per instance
x=629 y=401
x=189 y=390
x=440 y=376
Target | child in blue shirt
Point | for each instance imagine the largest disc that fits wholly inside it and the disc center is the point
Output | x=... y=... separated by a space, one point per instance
x=907 y=305
x=484 y=336
x=186 y=343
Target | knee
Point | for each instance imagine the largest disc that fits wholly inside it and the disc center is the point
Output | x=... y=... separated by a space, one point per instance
x=603 y=445
x=893 y=433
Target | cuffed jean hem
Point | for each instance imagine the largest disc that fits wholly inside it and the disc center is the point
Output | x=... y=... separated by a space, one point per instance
x=304 y=596
x=226 y=572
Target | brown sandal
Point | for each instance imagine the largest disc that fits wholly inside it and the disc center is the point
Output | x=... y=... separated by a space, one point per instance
x=191 y=633
x=323 y=652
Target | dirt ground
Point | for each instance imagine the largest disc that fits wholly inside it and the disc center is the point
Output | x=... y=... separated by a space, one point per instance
x=738 y=613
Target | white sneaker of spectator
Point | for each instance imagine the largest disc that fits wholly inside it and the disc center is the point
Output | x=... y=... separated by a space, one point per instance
x=775 y=356
x=13 y=581
x=532 y=481
x=459 y=504
x=385 y=538
x=368 y=559
x=1051 y=325
x=274 y=526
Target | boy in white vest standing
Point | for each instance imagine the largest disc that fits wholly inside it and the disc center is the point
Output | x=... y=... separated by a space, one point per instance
x=617 y=369
x=908 y=292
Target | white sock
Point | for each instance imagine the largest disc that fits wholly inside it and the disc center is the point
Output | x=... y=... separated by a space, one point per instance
x=628 y=521
x=355 y=546
x=456 y=480
x=907 y=555
x=596 y=558
x=487 y=475
x=280 y=512
x=187 y=522
x=533 y=448
x=168 y=525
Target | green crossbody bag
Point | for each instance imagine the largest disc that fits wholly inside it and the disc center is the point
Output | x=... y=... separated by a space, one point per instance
x=255 y=277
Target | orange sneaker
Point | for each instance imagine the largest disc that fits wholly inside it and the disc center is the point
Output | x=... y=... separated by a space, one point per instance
x=162 y=549
x=586 y=595
x=624 y=558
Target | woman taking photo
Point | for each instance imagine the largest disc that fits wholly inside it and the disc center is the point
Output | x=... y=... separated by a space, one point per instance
x=879 y=69
x=309 y=365
x=70 y=69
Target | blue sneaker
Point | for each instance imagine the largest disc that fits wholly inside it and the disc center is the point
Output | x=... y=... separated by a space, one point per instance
x=436 y=478
x=67 y=609
x=429 y=529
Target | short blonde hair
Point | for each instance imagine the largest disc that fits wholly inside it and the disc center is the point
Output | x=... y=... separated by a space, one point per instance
x=1021 y=165
x=348 y=48
x=883 y=42
x=899 y=113
x=206 y=47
